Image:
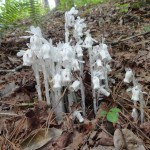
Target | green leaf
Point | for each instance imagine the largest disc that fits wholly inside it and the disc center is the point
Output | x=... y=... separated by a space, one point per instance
x=112 y=117
x=115 y=110
x=103 y=113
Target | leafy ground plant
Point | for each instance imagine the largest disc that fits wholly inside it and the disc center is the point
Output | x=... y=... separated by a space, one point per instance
x=112 y=115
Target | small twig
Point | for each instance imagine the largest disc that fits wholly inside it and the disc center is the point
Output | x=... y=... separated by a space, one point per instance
x=18 y=68
x=8 y=114
x=104 y=130
x=128 y=38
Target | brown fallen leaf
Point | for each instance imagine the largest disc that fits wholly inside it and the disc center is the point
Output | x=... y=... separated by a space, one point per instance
x=58 y=143
x=77 y=140
x=104 y=139
x=103 y=148
x=146 y=127
x=39 y=138
x=8 y=89
x=126 y=138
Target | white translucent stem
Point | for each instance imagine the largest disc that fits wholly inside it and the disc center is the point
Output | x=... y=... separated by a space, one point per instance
x=37 y=77
x=66 y=34
x=59 y=106
x=82 y=96
x=141 y=107
x=82 y=88
x=106 y=77
x=93 y=91
x=81 y=67
x=70 y=100
x=46 y=84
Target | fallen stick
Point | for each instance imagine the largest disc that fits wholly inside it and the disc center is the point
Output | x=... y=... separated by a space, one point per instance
x=18 y=68
x=128 y=38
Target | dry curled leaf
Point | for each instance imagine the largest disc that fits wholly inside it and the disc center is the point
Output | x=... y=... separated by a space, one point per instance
x=104 y=139
x=126 y=138
x=77 y=140
x=146 y=127
x=39 y=138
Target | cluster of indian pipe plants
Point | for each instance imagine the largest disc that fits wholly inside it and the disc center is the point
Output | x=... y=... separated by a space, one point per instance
x=62 y=67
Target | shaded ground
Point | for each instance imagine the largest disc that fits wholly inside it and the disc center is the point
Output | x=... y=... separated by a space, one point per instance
x=128 y=37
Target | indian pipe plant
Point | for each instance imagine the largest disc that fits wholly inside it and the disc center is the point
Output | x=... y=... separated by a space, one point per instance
x=62 y=67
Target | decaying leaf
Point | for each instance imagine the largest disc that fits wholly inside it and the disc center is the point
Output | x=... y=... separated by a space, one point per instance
x=126 y=138
x=100 y=147
x=9 y=89
x=39 y=138
x=77 y=140
x=104 y=139
x=146 y=127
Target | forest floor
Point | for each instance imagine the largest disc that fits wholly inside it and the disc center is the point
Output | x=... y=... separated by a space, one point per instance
x=24 y=121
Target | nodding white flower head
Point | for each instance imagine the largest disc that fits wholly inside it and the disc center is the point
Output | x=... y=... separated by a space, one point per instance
x=79 y=50
x=74 y=86
x=99 y=73
x=21 y=53
x=88 y=42
x=45 y=51
x=96 y=83
x=57 y=81
x=128 y=76
x=36 y=31
x=104 y=47
x=35 y=43
x=75 y=65
x=134 y=113
x=135 y=93
x=95 y=51
x=67 y=53
x=27 y=58
x=99 y=63
x=104 y=53
x=69 y=17
x=77 y=114
x=66 y=75
x=104 y=91
x=108 y=68
x=73 y=11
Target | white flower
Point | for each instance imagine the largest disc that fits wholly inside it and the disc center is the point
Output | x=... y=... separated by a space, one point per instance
x=67 y=53
x=104 y=53
x=21 y=53
x=79 y=50
x=96 y=82
x=104 y=92
x=99 y=63
x=128 y=76
x=57 y=81
x=135 y=93
x=74 y=86
x=69 y=17
x=108 y=68
x=88 y=40
x=35 y=30
x=27 y=58
x=66 y=75
x=134 y=114
x=35 y=43
x=77 y=114
x=45 y=51
x=75 y=65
